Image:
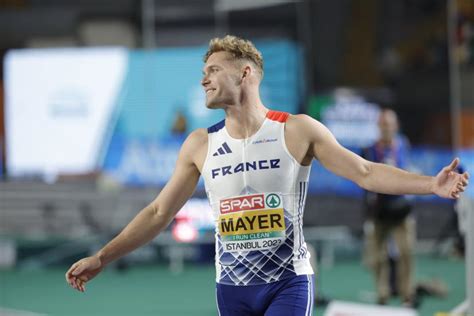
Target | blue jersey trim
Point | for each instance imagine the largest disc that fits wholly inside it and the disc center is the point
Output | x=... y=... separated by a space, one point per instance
x=216 y=127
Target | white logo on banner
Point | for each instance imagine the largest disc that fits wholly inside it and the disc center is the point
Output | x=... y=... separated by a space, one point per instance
x=352 y=120
x=57 y=107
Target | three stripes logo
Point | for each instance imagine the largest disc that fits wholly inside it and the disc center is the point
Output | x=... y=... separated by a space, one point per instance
x=224 y=149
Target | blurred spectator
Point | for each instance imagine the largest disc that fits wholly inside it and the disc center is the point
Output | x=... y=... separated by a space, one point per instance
x=464 y=50
x=390 y=230
x=180 y=124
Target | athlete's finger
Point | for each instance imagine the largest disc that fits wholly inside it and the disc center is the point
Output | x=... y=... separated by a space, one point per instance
x=69 y=276
x=79 y=269
x=73 y=284
x=453 y=164
x=68 y=273
x=465 y=177
x=79 y=284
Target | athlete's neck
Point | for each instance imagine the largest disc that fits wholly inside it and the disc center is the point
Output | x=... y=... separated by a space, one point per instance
x=244 y=120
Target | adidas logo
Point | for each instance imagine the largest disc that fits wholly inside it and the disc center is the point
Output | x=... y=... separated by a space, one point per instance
x=224 y=149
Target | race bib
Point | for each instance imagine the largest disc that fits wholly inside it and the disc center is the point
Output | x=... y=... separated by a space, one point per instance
x=251 y=222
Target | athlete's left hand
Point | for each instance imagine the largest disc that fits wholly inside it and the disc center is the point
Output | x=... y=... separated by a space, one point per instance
x=450 y=184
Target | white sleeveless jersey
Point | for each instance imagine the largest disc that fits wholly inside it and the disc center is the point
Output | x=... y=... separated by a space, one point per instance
x=257 y=191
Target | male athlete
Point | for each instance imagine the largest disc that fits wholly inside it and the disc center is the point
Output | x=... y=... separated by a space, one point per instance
x=255 y=166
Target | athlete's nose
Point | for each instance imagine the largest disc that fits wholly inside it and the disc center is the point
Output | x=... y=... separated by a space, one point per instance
x=205 y=81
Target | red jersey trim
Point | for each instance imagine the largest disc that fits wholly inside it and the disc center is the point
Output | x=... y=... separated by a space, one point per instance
x=278 y=116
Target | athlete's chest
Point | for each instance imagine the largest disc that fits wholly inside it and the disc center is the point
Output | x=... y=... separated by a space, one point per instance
x=232 y=159
x=237 y=166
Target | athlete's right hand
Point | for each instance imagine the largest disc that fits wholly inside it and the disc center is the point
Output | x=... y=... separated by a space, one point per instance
x=83 y=271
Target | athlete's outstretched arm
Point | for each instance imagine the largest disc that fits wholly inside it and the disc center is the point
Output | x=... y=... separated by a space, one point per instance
x=377 y=177
x=150 y=221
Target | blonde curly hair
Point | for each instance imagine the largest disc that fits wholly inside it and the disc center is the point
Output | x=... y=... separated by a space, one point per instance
x=238 y=47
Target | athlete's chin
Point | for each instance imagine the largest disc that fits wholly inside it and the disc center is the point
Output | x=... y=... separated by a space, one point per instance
x=213 y=105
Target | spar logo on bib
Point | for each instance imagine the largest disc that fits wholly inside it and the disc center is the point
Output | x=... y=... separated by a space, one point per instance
x=273 y=200
x=250 y=202
x=252 y=222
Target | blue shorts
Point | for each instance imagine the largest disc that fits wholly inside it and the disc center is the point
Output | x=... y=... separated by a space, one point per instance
x=289 y=297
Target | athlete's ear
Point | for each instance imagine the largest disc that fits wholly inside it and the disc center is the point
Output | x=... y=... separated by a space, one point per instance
x=246 y=73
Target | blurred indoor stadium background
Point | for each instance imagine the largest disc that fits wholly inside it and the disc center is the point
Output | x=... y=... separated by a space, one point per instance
x=96 y=97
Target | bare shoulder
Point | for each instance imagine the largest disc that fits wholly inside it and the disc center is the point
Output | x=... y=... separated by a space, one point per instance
x=303 y=126
x=194 y=149
x=305 y=137
x=298 y=139
x=303 y=119
x=197 y=138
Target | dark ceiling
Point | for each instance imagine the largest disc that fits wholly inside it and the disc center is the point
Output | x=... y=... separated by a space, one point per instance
x=22 y=19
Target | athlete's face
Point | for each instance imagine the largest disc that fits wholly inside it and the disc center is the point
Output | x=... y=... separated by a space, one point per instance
x=221 y=80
